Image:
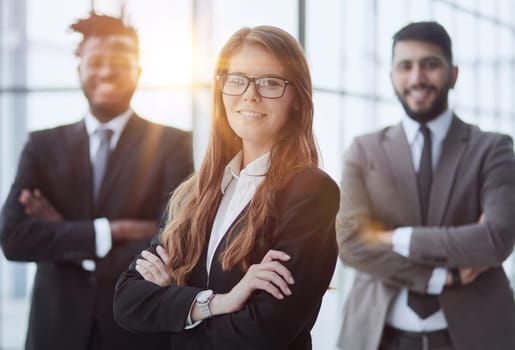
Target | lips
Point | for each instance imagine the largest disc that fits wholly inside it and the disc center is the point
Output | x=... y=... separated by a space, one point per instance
x=420 y=94
x=105 y=88
x=251 y=114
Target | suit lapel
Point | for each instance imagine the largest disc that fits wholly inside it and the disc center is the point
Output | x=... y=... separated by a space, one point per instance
x=453 y=149
x=216 y=268
x=398 y=151
x=81 y=165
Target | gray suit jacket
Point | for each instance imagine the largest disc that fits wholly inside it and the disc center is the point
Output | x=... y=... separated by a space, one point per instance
x=475 y=176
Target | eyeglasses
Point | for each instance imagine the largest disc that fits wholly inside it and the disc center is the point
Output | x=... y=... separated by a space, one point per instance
x=266 y=86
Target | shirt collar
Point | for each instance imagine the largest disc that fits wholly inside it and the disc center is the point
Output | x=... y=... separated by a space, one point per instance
x=256 y=169
x=438 y=126
x=116 y=124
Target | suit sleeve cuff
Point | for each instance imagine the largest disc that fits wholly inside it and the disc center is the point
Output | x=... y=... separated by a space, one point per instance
x=103 y=242
x=401 y=240
x=437 y=281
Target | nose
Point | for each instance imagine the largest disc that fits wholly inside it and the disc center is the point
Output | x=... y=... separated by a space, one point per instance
x=416 y=75
x=251 y=92
x=106 y=69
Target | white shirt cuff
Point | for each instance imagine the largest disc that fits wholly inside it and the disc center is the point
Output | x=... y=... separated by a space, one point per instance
x=89 y=265
x=437 y=281
x=189 y=322
x=103 y=240
x=401 y=240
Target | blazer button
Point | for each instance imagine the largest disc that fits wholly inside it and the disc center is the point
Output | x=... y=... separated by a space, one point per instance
x=92 y=280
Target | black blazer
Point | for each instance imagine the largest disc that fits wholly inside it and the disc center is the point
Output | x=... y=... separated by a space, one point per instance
x=306 y=231
x=149 y=161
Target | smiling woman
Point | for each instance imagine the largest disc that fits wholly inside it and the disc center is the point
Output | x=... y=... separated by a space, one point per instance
x=249 y=247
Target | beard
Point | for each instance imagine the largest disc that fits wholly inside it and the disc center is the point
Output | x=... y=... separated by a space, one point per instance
x=437 y=107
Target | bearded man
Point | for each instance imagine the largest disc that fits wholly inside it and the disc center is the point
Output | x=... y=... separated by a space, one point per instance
x=427 y=217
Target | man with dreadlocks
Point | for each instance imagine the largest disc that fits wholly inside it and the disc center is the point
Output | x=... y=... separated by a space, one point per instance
x=87 y=197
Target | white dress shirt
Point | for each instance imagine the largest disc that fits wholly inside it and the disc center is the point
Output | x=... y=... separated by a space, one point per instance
x=400 y=315
x=102 y=228
x=238 y=187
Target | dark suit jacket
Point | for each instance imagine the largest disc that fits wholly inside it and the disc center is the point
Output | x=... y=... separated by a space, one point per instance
x=148 y=163
x=306 y=231
x=475 y=176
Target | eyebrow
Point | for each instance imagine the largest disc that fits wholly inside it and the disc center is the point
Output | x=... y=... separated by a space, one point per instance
x=271 y=75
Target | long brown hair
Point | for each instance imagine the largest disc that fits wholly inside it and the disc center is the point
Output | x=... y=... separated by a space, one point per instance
x=193 y=206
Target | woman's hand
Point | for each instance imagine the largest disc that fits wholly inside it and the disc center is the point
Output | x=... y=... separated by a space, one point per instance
x=270 y=276
x=153 y=268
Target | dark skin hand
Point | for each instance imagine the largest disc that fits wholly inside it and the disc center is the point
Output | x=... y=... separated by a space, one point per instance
x=132 y=230
x=38 y=207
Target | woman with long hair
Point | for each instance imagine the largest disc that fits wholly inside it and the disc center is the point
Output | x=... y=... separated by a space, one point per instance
x=248 y=248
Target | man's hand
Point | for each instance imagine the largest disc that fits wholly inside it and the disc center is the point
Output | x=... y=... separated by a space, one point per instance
x=467 y=276
x=385 y=237
x=375 y=233
x=37 y=206
x=132 y=230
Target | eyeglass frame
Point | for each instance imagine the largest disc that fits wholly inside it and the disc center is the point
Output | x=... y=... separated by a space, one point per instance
x=220 y=78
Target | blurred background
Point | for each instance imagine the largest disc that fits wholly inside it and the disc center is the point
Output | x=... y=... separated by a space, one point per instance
x=348 y=46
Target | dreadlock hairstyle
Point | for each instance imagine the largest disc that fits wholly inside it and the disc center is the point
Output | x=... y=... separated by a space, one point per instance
x=102 y=26
x=194 y=204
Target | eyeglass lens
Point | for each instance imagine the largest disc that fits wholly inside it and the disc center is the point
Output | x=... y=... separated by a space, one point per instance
x=268 y=87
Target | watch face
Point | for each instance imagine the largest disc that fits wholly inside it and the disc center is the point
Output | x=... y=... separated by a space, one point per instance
x=204 y=296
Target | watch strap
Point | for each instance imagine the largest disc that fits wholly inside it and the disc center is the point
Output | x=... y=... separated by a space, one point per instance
x=203 y=304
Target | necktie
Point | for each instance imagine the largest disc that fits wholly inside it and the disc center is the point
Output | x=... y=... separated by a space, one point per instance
x=100 y=161
x=424 y=305
x=425 y=173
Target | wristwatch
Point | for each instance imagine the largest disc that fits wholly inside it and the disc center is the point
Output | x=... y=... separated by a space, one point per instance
x=203 y=299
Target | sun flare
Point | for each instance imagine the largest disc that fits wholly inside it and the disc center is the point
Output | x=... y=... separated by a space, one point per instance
x=167 y=64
